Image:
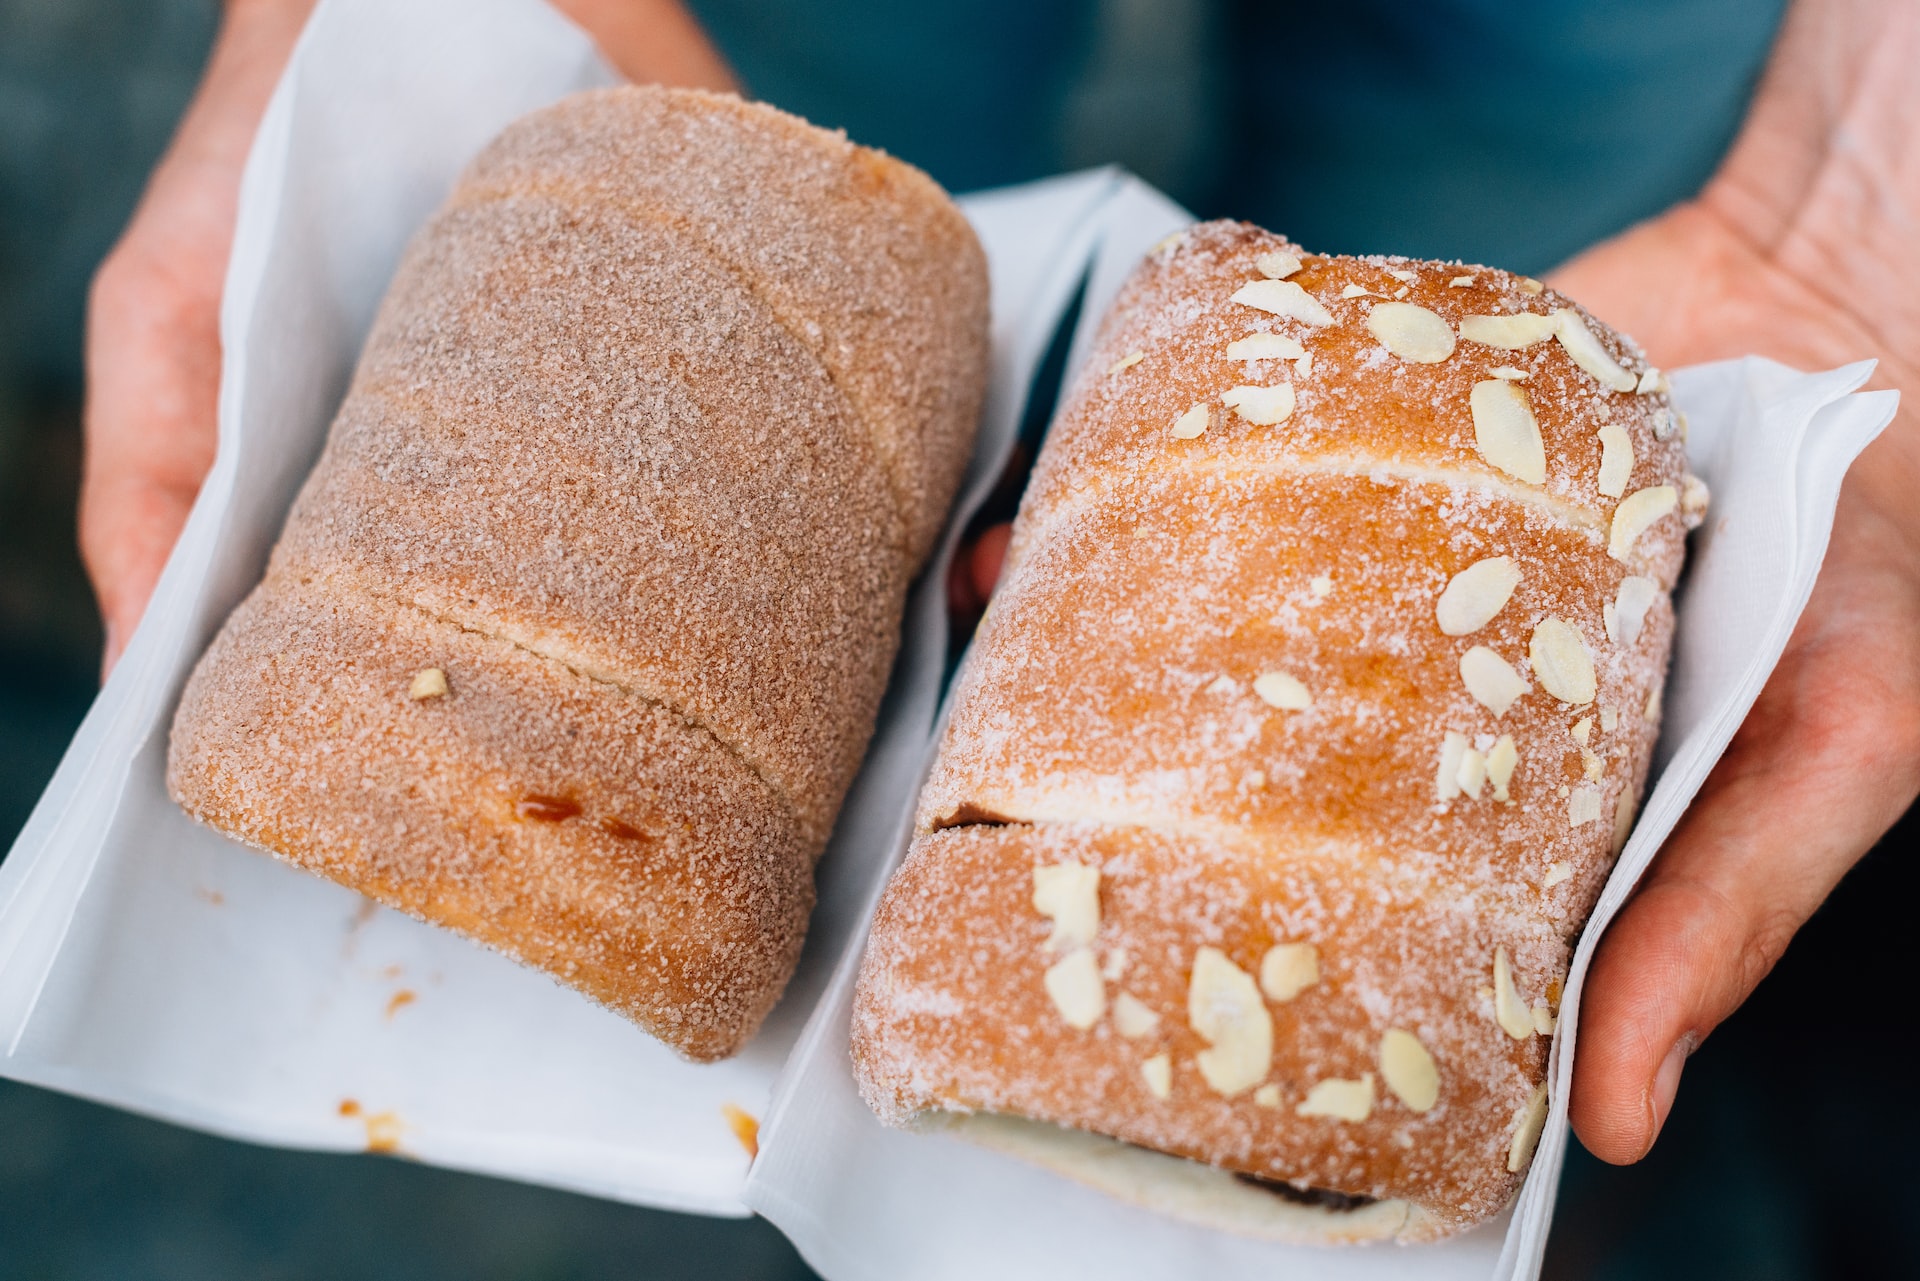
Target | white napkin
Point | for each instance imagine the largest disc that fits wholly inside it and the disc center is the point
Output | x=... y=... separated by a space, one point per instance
x=148 y=963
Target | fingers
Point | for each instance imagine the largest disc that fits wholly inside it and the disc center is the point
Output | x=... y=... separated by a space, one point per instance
x=153 y=357
x=976 y=569
x=153 y=341
x=987 y=557
x=1827 y=761
x=653 y=42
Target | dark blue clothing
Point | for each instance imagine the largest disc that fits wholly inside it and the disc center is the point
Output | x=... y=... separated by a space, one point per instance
x=1511 y=133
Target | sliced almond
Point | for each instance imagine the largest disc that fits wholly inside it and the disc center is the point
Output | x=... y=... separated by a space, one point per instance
x=1277 y=689
x=1651 y=712
x=1561 y=662
x=1068 y=894
x=1267 y=1096
x=1475 y=594
x=1505 y=431
x=1357 y=291
x=1528 y=285
x=1402 y=275
x=1582 y=730
x=1636 y=514
x=1261 y=406
x=1158 y=1074
x=1276 y=265
x=1626 y=614
x=1460 y=282
x=1584 y=805
x=1588 y=353
x=1591 y=765
x=1410 y=332
x=1131 y=1017
x=1192 y=423
x=1616 y=459
x=1652 y=383
x=1500 y=765
x=1694 y=498
x=1543 y=1021
x=1508 y=373
x=1609 y=719
x=1408 y=1070
x=1116 y=966
x=1303 y=367
x=1075 y=985
x=1556 y=873
x=1528 y=1121
x=1509 y=1010
x=1623 y=815
x=1225 y=1009
x=1508 y=333
x=1473 y=773
x=1338 y=1099
x=1288 y=969
x=428 y=682
x=1491 y=680
x=1446 y=779
x=1126 y=362
x=1284 y=298
x=1265 y=347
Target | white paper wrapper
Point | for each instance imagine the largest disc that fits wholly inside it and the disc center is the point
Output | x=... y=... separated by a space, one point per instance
x=146 y=962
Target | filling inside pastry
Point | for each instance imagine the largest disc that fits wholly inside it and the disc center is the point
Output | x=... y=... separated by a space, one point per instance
x=1198 y=1193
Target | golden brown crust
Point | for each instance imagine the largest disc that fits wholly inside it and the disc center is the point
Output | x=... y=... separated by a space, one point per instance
x=1112 y=715
x=641 y=453
x=968 y=1022
x=572 y=825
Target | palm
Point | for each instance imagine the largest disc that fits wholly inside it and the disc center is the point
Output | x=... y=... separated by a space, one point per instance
x=1778 y=257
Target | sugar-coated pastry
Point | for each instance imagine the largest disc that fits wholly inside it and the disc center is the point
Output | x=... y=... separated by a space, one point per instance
x=1311 y=711
x=575 y=637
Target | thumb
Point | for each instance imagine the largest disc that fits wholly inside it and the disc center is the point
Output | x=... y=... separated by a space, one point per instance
x=1823 y=766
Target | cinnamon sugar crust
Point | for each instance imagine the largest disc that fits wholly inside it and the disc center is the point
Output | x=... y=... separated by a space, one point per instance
x=1215 y=670
x=651 y=432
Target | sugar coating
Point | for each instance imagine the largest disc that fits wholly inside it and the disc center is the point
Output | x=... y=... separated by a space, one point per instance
x=640 y=452
x=1107 y=715
x=884 y=279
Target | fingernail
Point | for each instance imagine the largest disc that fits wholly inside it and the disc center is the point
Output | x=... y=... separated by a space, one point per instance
x=1666 y=1082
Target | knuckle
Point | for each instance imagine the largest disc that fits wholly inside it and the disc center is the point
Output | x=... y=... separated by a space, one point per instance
x=1767 y=938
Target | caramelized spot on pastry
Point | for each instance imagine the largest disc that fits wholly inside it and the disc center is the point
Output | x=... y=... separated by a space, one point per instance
x=547 y=809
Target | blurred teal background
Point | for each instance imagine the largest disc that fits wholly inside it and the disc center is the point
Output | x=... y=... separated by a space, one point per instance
x=1512 y=134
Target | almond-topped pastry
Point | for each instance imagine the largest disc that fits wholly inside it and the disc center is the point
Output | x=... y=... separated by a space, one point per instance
x=1313 y=706
x=575 y=637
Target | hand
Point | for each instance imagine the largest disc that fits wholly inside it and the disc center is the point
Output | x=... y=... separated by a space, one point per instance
x=153 y=336
x=1800 y=249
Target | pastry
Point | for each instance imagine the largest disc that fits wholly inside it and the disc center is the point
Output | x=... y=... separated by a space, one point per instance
x=576 y=634
x=1310 y=713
